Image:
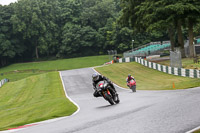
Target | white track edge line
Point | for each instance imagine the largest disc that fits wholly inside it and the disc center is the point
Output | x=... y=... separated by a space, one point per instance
x=50 y=120
x=191 y=131
x=68 y=96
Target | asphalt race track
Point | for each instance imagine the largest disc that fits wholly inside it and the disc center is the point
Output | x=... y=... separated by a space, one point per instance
x=175 y=111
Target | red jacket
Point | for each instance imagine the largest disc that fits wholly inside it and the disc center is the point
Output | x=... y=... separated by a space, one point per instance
x=129 y=79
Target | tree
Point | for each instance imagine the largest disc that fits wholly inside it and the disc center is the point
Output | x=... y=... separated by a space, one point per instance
x=97 y=13
x=7 y=48
x=78 y=41
x=146 y=19
x=120 y=38
x=192 y=11
x=61 y=28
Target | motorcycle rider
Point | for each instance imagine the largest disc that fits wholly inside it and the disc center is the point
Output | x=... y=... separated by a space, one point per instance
x=96 y=78
x=129 y=78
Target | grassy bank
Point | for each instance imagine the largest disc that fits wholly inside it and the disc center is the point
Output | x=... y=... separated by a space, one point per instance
x=33 y=99
x=147 y=79
x=35 y=92
x=63 y=64
x=187 y=63
x=19 y=71
x=197 y=131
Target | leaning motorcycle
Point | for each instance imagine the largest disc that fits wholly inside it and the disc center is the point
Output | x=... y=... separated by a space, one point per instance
x=132 y=85
x=103 y=88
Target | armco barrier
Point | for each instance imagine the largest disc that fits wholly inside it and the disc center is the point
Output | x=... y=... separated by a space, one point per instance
x=127 y=59
x=192 y=73
x=3 y=81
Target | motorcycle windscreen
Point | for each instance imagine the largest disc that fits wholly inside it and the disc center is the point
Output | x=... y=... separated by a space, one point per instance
x=100 y=85
x=132 y=82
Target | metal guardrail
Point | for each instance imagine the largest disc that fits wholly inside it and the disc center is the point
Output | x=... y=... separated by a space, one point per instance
x=192 y=73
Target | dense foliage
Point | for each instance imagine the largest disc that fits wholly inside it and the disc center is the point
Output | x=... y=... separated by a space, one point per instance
x=173 y=16
x=31 y=29
x=55 y=28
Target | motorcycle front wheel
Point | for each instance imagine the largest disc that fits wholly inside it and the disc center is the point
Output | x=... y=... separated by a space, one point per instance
x=109 y=98
x=117 y=101
x=133 y=88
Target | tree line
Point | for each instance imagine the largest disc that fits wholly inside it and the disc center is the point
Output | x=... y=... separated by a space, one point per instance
x=179 y=18
x=34 y=29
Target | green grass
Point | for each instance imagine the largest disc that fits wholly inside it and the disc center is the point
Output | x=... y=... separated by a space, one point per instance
x=197 y=131
x=64 y=64
x=147 y=79
x=15 y=76
x=19 y=71
x=33 y=99
x=35 y=92
x=187 y=63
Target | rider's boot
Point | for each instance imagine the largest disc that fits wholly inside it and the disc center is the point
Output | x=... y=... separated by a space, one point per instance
x=96 y=94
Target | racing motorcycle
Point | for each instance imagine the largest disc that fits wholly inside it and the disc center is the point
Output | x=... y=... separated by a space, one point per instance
x=132 y=85
x=103 y=88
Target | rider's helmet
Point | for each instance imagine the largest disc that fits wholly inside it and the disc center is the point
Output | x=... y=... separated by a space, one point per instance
x=95 y=76
x=129 y=76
